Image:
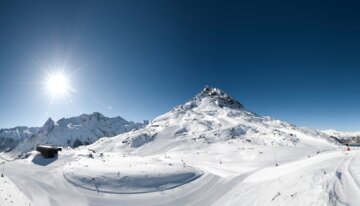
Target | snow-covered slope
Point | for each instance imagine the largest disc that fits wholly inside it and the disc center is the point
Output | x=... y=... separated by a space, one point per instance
x=73 y=132
x=212 y=116
x=10 y=194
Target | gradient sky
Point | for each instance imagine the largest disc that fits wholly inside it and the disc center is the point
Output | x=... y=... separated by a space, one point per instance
x=297 y=61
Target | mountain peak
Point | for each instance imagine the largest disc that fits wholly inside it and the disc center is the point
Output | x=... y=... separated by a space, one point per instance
x=49 y=122
x=47 y=127
x=211 y=97
x=97 y=115
x=211 y=91
x=219 y=97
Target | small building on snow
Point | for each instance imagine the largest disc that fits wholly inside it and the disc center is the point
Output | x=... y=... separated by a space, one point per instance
x=47 y=151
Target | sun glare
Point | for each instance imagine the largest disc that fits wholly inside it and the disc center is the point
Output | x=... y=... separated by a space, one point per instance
x=57 y=85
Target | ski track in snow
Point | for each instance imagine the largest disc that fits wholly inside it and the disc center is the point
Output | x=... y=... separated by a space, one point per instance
x=347 y=183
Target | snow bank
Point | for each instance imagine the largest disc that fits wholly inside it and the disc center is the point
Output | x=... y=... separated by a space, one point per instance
x=115 y=173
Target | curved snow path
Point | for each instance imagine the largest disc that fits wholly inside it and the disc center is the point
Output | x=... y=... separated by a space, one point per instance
x=128 y=175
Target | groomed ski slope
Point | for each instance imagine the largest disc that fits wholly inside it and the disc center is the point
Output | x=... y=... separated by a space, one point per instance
x=327 y=178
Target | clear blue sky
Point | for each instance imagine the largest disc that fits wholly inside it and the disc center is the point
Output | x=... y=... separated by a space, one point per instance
x=297 y=61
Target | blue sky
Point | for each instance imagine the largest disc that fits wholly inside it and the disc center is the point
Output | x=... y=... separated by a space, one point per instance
x=297 y=61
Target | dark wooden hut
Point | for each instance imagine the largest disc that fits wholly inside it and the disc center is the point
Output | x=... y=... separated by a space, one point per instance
x=47 y=151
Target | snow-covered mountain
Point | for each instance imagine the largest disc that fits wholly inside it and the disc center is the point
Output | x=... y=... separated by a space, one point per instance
x=73 y=132
x=213 y=116
x=209 y=151
x=10 y=138
x=344 y=137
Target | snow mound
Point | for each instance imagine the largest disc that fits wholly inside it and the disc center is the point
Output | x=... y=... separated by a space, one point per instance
x=119 y=174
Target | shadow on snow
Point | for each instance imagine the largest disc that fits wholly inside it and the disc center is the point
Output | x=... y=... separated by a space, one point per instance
x=40 y=160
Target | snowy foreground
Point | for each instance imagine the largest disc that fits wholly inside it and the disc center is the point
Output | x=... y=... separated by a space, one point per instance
x=327 y=178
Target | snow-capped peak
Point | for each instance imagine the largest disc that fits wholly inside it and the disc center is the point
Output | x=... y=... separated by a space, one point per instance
x=211 y=96
x=49 y=122
x=219 y=97
x=48 y=127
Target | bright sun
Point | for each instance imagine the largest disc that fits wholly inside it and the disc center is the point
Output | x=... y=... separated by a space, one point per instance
x=57 y=84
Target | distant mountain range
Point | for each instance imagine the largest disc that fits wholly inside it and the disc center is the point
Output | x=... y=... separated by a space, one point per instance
x=76 y=131
x=344 y=137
